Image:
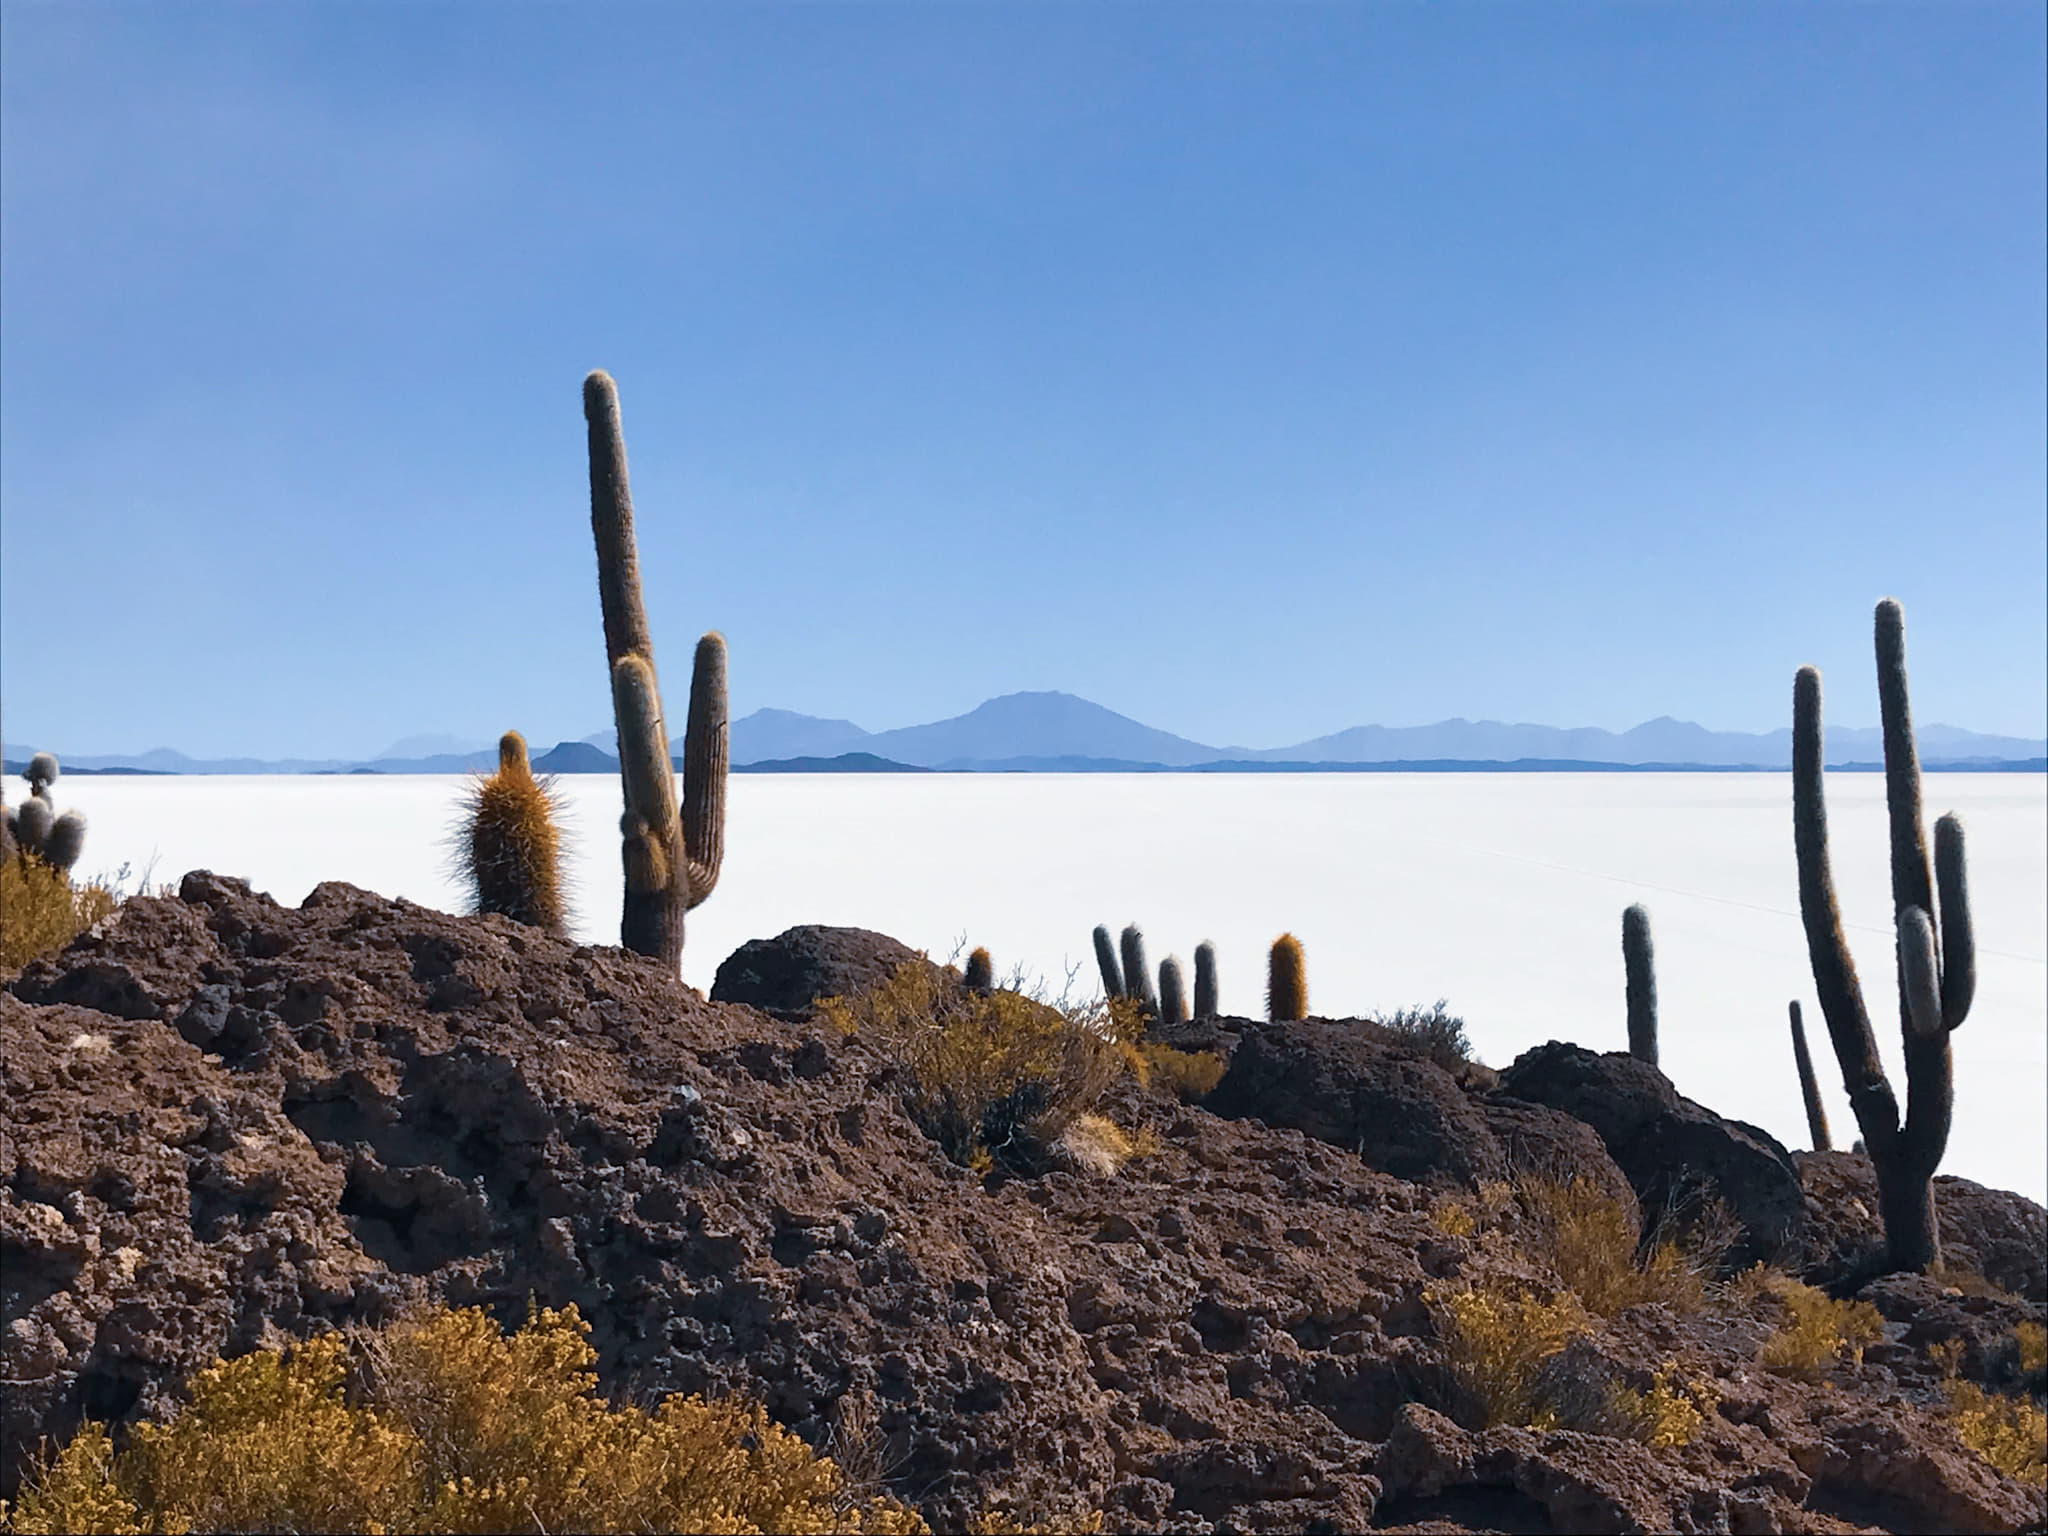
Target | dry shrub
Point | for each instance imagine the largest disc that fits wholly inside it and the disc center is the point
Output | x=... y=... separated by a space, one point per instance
x=41 y=910
x=1185 y=1074
x=993 y=1078
x=1819 y=1330
x=1432 y=1031
x=462 y=1430
x=1498 y=1338
x=2009 y=1432
x=1584 y=1234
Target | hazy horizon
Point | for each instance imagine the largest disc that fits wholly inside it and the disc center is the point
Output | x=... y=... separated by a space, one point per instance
x=1256 y=372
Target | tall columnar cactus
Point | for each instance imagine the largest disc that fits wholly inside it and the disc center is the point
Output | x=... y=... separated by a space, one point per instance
x=1937 y=979
x=1205 y=981
x=1137 y=975
x=1286 y=980
x=671 y=854
x=511 y=848
x=1105 y=961
x=1809 y=1089
x=981 y=973
x=1639 y=961
x=1173 y=992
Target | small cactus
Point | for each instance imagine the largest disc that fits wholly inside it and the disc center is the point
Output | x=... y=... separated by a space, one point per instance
x=1173 y=993
x=1137 y=975
x=1639 y=961
x=1286 y=980
x=981 y=974
x=1809 y=1089
x=1205 y=981
x=510 y=850
x=65 y=842
x=1105 y=961
x=32 y=823
x=41 y=773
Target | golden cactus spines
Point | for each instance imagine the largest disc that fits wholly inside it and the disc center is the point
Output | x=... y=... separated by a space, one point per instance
x=511 y=848
x=1286 y=980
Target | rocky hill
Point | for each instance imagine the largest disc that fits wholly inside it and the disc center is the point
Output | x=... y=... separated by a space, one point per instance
x=226 y=1124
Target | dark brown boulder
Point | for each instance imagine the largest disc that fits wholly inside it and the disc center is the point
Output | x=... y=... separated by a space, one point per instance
x=1673 y=1151
x=786 y=974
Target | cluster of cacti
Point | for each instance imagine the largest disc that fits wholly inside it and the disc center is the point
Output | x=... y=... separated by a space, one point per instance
x=1639 y=963
x=1124 y=974
x=510 y=848
x=1809 y=1089
x=1286 y=980
x=36 y=828
x=1937 y=973
x=671 y=853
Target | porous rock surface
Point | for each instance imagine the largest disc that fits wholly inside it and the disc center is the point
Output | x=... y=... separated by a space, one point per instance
x=224 y=1124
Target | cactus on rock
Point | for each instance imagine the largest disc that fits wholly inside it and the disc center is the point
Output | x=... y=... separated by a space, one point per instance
x=671 y=854
x=1205 y=981
x=981 y=973
x=1639 y=962
x=1286 y=980
x=1137 y=975
x=1173 y=993
x=1105 y=961
x=1809 y=1089
x=36 y=827
x=1937 y=972
x=510 y=849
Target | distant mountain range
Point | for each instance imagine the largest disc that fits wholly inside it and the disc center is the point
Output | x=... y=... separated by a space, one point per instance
x=1059 y=733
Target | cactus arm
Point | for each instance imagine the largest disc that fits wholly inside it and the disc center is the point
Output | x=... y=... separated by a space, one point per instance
x=1105 y=961
x=1173 y=997
x=1834 y=971
x=643 y=751
x=1205 y=981
x=1918 y=975
x=705 y=753
x=1809 y=1088
x=1912 y=886
x=611 y=521
x=1639 y=962
x=1138 y=975
x=1958 y=936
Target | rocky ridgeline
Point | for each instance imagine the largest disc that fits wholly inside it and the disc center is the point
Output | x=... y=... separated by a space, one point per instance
x=228 y=1124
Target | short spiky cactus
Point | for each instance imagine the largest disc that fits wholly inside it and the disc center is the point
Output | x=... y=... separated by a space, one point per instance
x=981 y=973
x=671 y=854
x=1105 y=961
x=1137 y=976
x=1639 y=962
x=1809 y=1090
x=37 y=828
x=510 y=846
x=1937 y=978
x=1173 y=992
x=1205 y=981
x=1286 y=980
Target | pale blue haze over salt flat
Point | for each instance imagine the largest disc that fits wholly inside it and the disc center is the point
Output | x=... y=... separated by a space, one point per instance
x=1256 y=371
x=1502 y=893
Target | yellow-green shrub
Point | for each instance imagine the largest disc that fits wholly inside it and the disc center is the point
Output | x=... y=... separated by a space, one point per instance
x=1819 y=1332
x=2009 y=1432
x=1186 y=1074
x=1497 y=1336
x=41 y=910
x=994 y=1076
x=460 y=1429
x=1584 y=1234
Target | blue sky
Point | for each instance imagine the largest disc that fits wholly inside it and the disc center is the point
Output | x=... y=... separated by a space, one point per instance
x=1254 y=370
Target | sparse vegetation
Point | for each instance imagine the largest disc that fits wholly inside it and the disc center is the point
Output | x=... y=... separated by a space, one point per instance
x=994 y=1078
x=1819 y=1333
x=1585 y=1236
x=1498 y=1337
x=41 y=910
x=1433 y=1030
x=452 y=1427
x=2009 y=1432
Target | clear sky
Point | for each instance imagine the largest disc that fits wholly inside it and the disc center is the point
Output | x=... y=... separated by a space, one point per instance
x=1253 y=370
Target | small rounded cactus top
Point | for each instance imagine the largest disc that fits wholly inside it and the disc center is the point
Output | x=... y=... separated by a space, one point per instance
x=512 y=754
x=41 y=771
